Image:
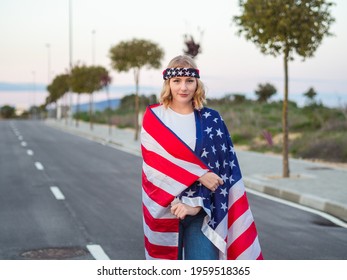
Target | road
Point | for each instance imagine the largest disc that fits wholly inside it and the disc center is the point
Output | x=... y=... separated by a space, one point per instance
x=63 y=196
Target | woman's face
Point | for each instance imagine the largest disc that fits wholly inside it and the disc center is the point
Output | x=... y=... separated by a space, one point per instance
x=183 y=89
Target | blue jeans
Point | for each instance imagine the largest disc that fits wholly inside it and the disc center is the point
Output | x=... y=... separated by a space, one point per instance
x=196 y=245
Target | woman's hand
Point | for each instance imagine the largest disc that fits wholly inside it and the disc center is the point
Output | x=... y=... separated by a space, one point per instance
x=181 y=210
x=211 y=181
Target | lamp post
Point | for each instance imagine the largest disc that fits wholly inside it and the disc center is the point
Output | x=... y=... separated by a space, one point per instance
x=48 y=46
x=70 y=56
x=93 y=47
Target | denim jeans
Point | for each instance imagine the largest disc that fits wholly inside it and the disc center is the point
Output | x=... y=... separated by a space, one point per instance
x=193 y=244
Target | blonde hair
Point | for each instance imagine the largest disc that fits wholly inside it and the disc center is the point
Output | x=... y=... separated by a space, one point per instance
x=199 y=98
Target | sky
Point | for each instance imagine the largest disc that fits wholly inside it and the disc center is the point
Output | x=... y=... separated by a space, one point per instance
x=35 y=41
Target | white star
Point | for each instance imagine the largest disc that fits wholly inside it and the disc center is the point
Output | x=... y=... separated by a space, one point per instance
x=207 y=114
x=212 y=222
x=231 y=179
x=224 y=206
x=193 y=74
x=180 y=72
x=214 y=150
x=225 y=163
x=208 y=130
x=224 y=192
x=224 y=177
x=211 y=136
x=224 y=148
x=219 y=133
x=190 y=192
x=173 y=72
x=217 y=164
x=204 y=153
x=232 y=150
x=210 y=166
x=212 y=207
x=215 y=120
x=232 y=164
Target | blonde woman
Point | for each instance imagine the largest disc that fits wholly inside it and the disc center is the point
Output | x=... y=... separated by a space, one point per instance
x=192 y=186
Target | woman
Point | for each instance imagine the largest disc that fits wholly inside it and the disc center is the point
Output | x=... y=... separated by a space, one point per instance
x=194 y=200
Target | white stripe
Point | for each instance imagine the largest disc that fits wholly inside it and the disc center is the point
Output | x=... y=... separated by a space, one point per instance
x=163 y=181
x=156 y=210
x=252 y=252
x=57 y=193
x=30 y=152
x=160 y=238
x=152 y=145
x=236 y=191
x=97 y=252
x=24 y=144
x=240 y=226
x=20 y=138
x=39 y=166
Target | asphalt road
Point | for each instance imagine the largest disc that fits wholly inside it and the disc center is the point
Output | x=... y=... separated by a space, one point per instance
x=63 y=196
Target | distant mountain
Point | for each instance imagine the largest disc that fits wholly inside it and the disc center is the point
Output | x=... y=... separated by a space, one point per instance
x=98 y=105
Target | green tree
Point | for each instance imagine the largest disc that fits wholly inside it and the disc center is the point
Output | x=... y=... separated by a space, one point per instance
x=87 y=79
x=7 y=112
x=136 y=54
x=310 y=94
x=57 y=89
x=105 y=82
x=285 y=27
x=264 y=92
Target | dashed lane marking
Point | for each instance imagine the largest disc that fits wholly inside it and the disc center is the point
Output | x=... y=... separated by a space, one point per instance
x=57 y=193
x=39 y=166
x=97 y=252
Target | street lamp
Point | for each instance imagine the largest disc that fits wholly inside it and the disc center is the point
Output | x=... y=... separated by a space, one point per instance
x=93 y=47
x=48 y=46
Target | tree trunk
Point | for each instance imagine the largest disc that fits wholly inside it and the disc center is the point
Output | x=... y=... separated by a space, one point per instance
x=108 y=111
x=91 y=111
x=285 y=171
x=77 y=109
x=137 y=74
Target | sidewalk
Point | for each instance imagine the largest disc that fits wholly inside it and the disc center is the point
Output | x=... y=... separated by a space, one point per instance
x=316 y=185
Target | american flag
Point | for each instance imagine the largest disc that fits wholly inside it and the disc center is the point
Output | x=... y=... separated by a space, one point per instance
x=171 y=169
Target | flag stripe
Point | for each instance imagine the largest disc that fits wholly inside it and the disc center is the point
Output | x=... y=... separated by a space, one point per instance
x=168 y=140
x=161 y=225
x=157 y=194
x=150 y=144
x=161 y=252
x=237 y=209
x=242 y=242
x=165 y=166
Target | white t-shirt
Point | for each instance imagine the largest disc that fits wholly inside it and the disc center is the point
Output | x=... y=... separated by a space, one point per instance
x=182 y=125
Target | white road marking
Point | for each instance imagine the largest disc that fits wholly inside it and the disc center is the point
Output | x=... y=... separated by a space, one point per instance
x=39 y=166
x=301 y=207
x=30 y=152
x=20 y=138
x=24 y=144
x=97 y=252
x=57 y=193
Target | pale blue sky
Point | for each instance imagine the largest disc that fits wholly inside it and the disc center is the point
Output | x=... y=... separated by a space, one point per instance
x=228 y=63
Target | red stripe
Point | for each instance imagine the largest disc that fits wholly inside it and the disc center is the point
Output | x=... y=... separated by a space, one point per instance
x=161 y=252
x=242 y=242
x=160 y=225
x=168 y=168
x=239 y=207
x=158 y=195
x=168 y=140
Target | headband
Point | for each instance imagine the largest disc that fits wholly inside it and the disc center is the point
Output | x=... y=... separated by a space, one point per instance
x=169 y=73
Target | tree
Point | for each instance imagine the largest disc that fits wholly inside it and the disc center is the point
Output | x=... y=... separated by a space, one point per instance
x=7 y=112
x=264 y=92
x=105 y=82
x=285 y=27
x=136 y=54
x=87 y=79
x=310 y=95
x=57 y=89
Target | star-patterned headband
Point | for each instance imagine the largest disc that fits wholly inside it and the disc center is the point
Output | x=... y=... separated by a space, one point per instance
x=169 y=73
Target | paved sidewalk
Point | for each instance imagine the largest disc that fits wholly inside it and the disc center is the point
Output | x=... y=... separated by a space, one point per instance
x=316 y=185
